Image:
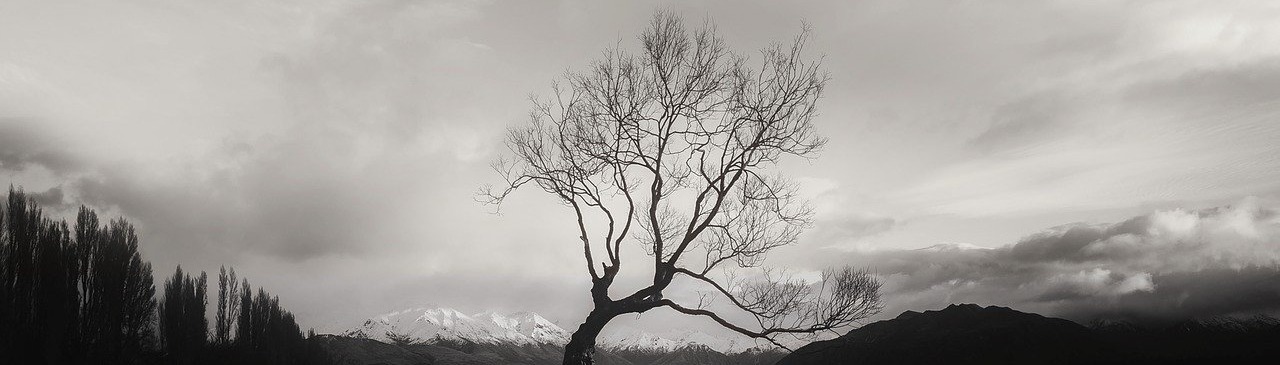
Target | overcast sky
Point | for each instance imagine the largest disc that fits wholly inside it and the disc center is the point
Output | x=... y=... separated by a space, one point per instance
x=1076 y=158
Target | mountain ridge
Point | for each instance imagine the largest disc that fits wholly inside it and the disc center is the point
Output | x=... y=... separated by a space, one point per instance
x=426 y=324
x=431 y=325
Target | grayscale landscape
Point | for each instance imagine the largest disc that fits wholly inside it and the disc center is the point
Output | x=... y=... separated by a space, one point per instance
x=404 y=182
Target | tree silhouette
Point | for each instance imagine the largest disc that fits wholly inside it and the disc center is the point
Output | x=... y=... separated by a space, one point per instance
x=38 y=279
x=183 y=326
x=55 y=310
x=84 y=295
x=228 y=293
x=265 y=332
x=245 y=341
x=117 y=305
x=71 y=296
x=673 y=148
x=21 y=233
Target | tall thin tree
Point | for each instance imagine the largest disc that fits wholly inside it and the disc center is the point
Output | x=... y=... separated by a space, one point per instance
x=228 y=305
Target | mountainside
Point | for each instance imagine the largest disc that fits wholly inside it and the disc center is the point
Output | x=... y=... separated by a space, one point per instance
x=340 y=350
x=971 y=334
x=1220 y=340
x=640 y=341
x=435 y=325
x=449 y=336
x=426 y=325
x=959 y=334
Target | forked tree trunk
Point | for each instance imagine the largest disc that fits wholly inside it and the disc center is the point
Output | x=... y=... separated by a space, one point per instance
x=582 y=345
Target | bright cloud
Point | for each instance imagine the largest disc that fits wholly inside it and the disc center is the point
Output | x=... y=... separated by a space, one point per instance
x=1166 y=264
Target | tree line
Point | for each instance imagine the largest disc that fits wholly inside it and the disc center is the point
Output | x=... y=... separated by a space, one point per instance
x=83 y=294
x=248 y=328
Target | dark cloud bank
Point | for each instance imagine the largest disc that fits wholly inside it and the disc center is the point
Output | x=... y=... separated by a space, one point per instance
x=23 y=145
x=1167 y=265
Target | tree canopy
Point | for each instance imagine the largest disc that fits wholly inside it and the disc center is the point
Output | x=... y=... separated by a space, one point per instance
x=675 y=148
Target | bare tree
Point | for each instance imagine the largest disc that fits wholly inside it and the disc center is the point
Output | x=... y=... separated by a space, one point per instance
x=671 y=148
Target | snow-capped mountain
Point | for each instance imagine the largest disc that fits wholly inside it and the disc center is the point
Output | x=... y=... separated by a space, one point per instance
x=431 y=324
x=639 y=341
x=633 y=340
x=428 y=325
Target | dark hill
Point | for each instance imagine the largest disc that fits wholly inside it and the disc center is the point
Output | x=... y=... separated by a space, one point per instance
x=959 y=334
x=971 y=334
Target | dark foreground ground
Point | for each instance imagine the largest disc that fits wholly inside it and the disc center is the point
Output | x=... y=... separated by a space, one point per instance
x=339 y=350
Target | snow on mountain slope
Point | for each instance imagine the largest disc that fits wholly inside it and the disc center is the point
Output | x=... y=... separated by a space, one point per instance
x=524 y=326
x=639 y=341
x=427 y=324
x=635 y=340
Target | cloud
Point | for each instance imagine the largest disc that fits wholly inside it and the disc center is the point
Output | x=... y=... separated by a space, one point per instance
x=356 y=141
x=51 y=198
x=1177 y=295
x=1121 y=107
x=1096 y=282
x=1029 y=120
x=376 y=66
x=848 y=227
x=24 y=144
x=1164 y=265
x=1231 y=85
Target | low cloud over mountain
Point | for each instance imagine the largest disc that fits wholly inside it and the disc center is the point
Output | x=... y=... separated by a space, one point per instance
x=1168 y=264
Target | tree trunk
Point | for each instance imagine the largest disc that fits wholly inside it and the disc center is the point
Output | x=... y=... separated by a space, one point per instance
x=582 y=345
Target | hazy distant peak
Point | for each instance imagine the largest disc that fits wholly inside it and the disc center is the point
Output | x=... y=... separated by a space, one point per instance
x=953 y=246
